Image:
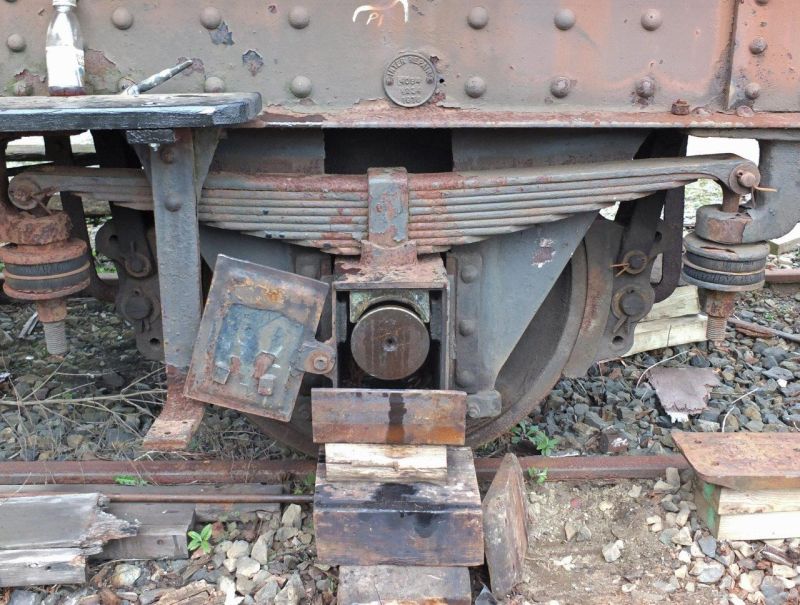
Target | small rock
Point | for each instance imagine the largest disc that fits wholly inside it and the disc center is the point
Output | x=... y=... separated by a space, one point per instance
x=612 y=552
x=708 y=545
x=244 y=585
x=293 y=591
x=707 y=573
x=784 y=571
x=267 y=593
x=635 y=491
x=683 y=537
x=125 y=575
x=667 y=587
x=247 y=567
x=665 y=537
x=751 y=581
x=292 y=516
x=25 y=597
x=238 y=549
x=260 y=551
x=684 y=556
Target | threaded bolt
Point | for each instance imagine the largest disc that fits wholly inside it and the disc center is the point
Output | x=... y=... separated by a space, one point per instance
x=55 y=337
x=715 y=329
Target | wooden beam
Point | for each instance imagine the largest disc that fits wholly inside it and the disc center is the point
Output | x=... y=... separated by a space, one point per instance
x=753 y=526
x=33 y=567
x=505 y=527
x=370 y=523
x=728 y=501
x=391 y=417
x=161 y=535
x=385 y=463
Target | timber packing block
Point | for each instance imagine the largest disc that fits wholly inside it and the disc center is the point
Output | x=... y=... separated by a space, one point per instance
x=417 y=523
x=505 y=526
x=390 y=585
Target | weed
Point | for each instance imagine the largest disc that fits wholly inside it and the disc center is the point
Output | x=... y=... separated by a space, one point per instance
x=201 y=540
x=129 y=480
x=526 y=431
x=539 y=475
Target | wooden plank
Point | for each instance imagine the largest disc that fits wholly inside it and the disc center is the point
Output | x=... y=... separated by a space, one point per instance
x=670 y=332
x=753 y=526
x=33 y=567
x=391 y=585
x=505 y=527
x=391 y=417
x=683 y=301
x=59 y=521
x=786 y=243
x=161 y=535
x=728 y=501
x=744 y=461
x=371 y=523
x=387 y=463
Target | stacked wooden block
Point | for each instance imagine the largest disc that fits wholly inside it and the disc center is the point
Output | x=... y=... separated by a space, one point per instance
x=748 y=484
x=396 y=503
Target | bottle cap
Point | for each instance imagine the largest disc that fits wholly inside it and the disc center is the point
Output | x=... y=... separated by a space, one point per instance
x=71 y=3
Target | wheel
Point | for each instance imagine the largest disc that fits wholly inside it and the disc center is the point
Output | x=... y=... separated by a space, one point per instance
x=530 y=373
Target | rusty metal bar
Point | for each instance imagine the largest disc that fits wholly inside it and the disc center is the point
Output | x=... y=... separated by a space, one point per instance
x=783 y=276
x=177 y=472
x=157 y=497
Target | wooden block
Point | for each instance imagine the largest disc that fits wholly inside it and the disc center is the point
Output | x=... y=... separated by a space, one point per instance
x=728 y=501
x=385 y=463
x=684 y=301
x=161 y=535
x=753 y=526
x=505 y=527
x=371 y=523
x=32 y=567
x=785 y=243
x=390 y=585
x=178 y=420
x=744 y=461
x=59 y=521
x=670 y=332
x=392 y=417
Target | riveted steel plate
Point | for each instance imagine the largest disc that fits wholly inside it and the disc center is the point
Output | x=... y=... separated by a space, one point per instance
x=765 y=70
x=410 y=80
x=249 y=352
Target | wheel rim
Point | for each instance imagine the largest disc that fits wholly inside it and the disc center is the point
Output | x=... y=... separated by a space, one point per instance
x=530 y=373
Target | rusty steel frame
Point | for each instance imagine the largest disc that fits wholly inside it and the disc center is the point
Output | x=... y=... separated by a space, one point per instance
x=178 y=472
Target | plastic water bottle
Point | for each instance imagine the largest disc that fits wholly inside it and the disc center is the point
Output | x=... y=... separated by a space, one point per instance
x=64 y=51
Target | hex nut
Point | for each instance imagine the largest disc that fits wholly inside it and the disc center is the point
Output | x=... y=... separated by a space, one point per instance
x=214 y=84
x=122 y=18
x=681 y=108
x=16 y=43
x=564 y=19
x=469 y=274
x=210 y=17
x=475 y=87
x=652 y=19
x=299 y=17
x=301 y=86
x=560 y=87
x=478 y=17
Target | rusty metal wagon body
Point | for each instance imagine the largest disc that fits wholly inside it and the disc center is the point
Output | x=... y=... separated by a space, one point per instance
x=402 y=195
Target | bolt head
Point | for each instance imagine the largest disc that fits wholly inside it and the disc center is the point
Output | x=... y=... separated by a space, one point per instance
x=16 y=43
x=478 y=17
x=320 y=363
x=475 y=87
x=301 y=87
x=124 y=83
x=210 y=17
x=652 y=19
x=752 y=91
x=747 y=179
x=466 y=327
x=299 y=17
x=469 y=274
x=167 y=154
x=646 y=87
x=465 y=378
x=758 y=45
x=122 y=18
x=564 y=19
x=560 y=87
x=214 y=84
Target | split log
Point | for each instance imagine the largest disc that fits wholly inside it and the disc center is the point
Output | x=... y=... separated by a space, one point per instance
x=386 y=463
